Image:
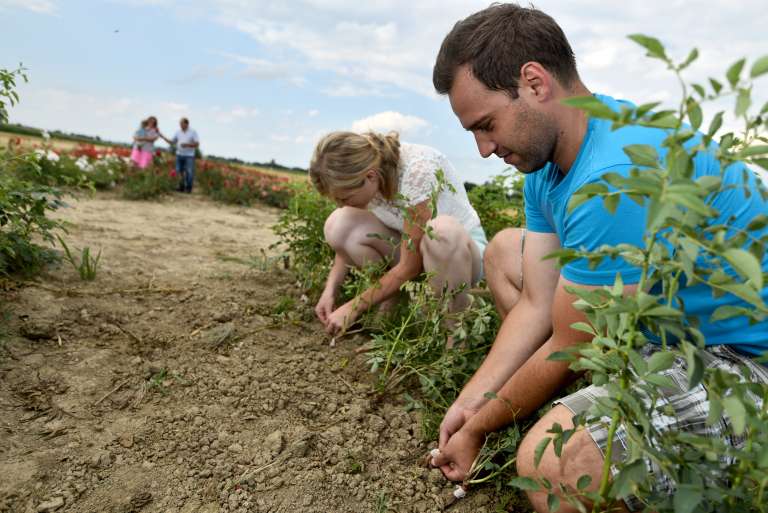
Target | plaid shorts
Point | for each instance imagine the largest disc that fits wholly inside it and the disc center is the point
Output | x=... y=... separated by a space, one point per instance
x=691 y=409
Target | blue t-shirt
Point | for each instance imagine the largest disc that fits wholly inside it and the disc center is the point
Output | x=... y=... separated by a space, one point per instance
x=589 y=226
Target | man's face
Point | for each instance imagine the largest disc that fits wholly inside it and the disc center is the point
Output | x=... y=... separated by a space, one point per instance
x=515 y=130
x=184 y=124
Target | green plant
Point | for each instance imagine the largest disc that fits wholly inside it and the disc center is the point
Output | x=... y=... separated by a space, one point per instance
x=499 y=203
x=86 y=266
x=300 y=235
x=8 y=95
x=684 y=244
x=149 y=183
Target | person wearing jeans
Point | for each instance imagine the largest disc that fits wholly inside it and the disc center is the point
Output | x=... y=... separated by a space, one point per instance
x=186 y=142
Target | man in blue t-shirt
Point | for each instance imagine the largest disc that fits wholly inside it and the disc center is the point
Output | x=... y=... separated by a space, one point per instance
x=506 y=70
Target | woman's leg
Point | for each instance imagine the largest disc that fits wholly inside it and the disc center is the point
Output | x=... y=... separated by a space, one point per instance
x=503 y=264
x=453 y=258
x=347 y=231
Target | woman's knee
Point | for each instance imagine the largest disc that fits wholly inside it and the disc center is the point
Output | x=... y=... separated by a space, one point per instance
x=338 y=227
x=444 y=235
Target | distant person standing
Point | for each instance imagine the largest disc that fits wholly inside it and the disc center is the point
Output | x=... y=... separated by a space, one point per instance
x=144 y=142
x=186 y=142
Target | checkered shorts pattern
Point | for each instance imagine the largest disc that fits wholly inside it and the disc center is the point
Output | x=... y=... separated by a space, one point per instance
x=691 y=409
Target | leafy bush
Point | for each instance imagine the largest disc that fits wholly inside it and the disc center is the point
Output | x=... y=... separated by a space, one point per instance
x=149 y=183
x=23 y=208
x=499 y=203
x=300 y=233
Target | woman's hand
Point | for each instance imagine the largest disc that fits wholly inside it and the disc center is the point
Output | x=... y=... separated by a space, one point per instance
x=324 y=307
x=341 y=319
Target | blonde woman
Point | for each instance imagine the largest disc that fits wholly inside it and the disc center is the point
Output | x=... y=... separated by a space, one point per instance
x=374 y=178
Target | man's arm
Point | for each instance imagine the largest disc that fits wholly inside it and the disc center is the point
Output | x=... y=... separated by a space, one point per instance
x=524 y=329
x=537 y=381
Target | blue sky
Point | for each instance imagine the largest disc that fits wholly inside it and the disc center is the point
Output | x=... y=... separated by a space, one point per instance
x=265 y=79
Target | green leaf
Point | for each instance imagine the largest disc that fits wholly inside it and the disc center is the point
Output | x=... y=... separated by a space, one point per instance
x=746 y=264
x=726 y=312
x=715 y=124
x=653 y=45
x=553 y=502
x=661 y=360
x=716 y=86
x=687 y=497
x=592 y=106
x=743 y=101
x=694 y=113
x=760 y=67
x=628 y=478
x=736 y=412
x=750 y=151
x=642 y=155
x=688 y=60
x=583 y=326
x=611 y=202
x=758 y=223
x=734 y=72
x=524 y=483
x=539 y=451
x=695 y=366
x=663 y=310
x=583 y=482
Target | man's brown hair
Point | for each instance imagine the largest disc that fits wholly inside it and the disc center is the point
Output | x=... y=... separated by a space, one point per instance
x=497 y=41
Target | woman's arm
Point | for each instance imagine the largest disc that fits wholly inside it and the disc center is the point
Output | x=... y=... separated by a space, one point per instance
x=408 y=267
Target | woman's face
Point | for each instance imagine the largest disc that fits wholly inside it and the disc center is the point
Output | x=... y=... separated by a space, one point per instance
x=358 y=197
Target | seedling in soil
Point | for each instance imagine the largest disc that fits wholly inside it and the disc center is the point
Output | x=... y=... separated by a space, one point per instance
x=382 y=503
x=86 y=266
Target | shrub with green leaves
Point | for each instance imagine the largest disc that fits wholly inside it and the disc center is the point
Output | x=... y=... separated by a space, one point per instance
x=499 y=203
x=683 y=245
x=149 y=183
x=300 y=234
x=23 y=204
x=23 y=222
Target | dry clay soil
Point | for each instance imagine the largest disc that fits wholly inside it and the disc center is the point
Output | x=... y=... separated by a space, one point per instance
x=169 y=385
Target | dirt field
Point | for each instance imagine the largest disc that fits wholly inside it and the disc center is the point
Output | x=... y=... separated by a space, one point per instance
x=168 y=384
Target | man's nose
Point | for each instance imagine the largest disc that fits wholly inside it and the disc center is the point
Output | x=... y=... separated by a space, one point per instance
x=485 y=145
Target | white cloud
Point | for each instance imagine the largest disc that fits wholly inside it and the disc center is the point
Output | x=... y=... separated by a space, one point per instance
x=390 y=120
x=236 y=113
x=313 y=113
x=38 y=6
x=262 y=69
x=350 y=90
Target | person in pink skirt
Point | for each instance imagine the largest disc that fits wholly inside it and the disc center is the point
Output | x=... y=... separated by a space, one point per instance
x=144 y=143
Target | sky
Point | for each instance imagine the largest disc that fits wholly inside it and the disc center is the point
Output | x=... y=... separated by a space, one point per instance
x=263 y=79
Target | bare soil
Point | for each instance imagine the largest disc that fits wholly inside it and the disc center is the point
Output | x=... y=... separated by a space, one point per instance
x=168 y=384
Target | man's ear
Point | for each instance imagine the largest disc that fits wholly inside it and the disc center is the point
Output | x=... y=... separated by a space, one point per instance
x=536 y=80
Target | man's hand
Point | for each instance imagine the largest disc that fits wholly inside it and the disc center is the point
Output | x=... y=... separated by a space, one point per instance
x=324 y=307
x=456 y=416
x=457 y=456
x=340 y=319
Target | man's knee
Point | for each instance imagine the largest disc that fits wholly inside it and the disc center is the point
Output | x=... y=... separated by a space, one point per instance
x=579 y=456
x=504 y=248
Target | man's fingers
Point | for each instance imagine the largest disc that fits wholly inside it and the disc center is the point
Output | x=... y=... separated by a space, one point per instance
x=439 y=459
x=452 y=473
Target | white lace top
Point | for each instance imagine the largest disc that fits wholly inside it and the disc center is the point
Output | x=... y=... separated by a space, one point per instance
x=417 y=179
